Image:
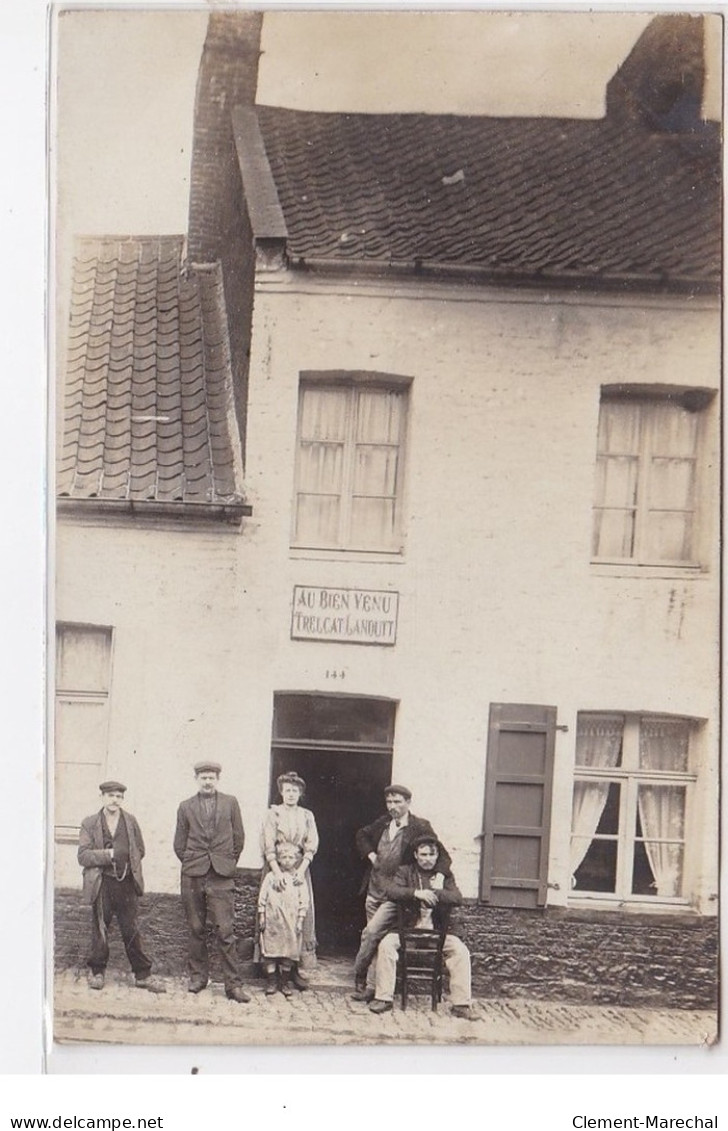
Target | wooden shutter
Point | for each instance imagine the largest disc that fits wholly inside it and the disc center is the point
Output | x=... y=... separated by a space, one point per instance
x=517 y=816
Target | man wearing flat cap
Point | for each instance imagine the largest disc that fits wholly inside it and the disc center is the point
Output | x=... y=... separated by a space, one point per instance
x=384 y=844
x=208 y=841
x=110 y=851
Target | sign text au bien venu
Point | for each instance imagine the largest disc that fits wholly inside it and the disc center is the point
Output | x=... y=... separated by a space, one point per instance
x=347 y=616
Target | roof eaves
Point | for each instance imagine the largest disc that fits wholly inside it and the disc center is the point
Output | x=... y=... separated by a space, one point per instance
x=659 y=282
x=264 y=207
x=152 y=509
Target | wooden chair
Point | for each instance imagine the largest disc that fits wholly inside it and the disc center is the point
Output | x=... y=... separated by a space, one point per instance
x=420 y=959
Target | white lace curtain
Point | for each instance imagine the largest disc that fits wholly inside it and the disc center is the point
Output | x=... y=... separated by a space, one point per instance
x=664 y=746
x=598 y=745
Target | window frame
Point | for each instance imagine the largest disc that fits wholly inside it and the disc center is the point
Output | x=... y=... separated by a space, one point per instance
x=64 y=832
x=354 y=381
x=693 y=399
x=629 y=776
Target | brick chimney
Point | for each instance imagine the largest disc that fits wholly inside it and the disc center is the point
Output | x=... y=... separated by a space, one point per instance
x=218 y=226
x=228 y=76
x=660 y=84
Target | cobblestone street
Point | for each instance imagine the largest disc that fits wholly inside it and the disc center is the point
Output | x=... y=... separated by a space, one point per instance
x=325 y=1015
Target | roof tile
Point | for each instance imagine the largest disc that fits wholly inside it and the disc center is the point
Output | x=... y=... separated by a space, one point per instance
x=523 y=196
x=148 y=401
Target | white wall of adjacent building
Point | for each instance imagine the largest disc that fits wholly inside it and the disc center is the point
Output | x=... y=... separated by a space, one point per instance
x=498 y=599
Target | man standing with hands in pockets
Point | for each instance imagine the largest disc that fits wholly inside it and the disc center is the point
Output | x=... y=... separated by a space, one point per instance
x=208 y=841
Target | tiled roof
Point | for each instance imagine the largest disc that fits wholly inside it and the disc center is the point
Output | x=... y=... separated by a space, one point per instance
x=526 y=198
x=148 y=414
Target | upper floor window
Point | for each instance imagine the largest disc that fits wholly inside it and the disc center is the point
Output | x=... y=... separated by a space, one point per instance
x=645 y=508
x=349 y=473
x=83 y=673
x=631 y=799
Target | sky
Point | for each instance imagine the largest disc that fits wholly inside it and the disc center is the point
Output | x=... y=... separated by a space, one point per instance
x=126 y=83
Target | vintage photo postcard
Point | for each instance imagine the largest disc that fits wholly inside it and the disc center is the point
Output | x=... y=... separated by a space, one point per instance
x=386 y=586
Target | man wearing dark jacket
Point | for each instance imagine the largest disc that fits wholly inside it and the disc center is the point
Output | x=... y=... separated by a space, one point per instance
x=110 y=851
x=385 y=845
x=424 y=891
x=208 y=841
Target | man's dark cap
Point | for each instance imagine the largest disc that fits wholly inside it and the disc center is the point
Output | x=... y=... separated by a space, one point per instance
x=207 y=768
x=112 y=787
x=401 y=789
x=425 y=838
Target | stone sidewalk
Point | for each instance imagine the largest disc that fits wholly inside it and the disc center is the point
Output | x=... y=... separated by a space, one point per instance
x=326 y=1015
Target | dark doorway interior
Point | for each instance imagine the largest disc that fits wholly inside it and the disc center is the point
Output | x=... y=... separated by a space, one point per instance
x=345 y=757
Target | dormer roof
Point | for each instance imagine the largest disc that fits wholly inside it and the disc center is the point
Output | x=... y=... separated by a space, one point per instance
x=148 y=409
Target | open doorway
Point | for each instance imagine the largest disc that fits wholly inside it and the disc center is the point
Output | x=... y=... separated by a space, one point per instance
x=342 y=746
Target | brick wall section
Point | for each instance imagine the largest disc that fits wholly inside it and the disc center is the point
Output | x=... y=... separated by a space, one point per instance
x=592 y=958
x=579 y=957
x=218 y=225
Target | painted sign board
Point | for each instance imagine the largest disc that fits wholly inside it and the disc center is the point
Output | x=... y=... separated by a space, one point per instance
x=344 y=616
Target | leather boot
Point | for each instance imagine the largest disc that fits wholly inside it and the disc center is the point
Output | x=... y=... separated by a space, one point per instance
x=298 y=980
x=284 y=983
x=271 y=982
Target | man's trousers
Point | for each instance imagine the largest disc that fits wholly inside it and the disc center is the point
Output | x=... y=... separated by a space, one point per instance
x=117 y=898
x=210 y=899
x=381 y=917
x=457 y=963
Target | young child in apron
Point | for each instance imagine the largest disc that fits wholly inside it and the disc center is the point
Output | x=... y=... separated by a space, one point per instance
x=282 y=907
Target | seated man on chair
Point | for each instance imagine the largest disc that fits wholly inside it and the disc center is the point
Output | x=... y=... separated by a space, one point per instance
x=424 y=892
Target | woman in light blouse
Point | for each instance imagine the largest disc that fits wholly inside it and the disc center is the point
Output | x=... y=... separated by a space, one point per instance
x=290 y=823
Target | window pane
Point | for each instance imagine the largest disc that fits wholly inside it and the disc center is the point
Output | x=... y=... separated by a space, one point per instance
x=661 y=812
x=595 y=812
x=372 y=523
x=671 y=484
x=673 y=444
x=613 y=534
x=317 y=520
x=616 y=496
x=598 y=869
x=323 y=413
x=617 y=481
x=599 y=739
x=343 y=718
x=660 y=819
x=674 y=430
x=379 y=417
x=82 y=658
x=668 y=536
x=619 y=427
x=376 y=470
x=81 y=731
x=668 y=859
x=320 y=468
x=664 y=744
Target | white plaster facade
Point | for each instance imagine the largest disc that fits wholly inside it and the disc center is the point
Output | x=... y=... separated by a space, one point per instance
x=498 y=599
